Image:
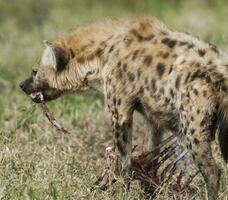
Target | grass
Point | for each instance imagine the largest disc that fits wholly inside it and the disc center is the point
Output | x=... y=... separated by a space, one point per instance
x=36 y=161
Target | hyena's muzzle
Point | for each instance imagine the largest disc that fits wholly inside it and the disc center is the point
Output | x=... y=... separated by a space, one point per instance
x=38 y=93
x=30 y=89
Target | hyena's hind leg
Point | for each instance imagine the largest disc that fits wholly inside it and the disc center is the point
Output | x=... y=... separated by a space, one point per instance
x=200 y=150
x=197 y=119
x=155 y=135
x=202 y=155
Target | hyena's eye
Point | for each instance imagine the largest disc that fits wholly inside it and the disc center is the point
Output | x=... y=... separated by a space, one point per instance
x=34 y=72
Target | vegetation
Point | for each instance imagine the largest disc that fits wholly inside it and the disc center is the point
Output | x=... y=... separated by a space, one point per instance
x=36 y=161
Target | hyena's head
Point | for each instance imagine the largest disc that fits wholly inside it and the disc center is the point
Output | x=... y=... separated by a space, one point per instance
x=57 y=73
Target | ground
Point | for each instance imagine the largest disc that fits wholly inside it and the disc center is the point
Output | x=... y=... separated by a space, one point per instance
x=36 y=161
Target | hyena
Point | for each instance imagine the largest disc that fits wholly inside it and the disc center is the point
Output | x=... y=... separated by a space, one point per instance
x=176 y=81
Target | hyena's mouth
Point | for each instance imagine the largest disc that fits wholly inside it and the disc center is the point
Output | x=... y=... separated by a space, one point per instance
x=37 y=97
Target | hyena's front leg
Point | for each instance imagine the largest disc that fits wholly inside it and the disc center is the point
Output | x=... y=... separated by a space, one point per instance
x=122 y=135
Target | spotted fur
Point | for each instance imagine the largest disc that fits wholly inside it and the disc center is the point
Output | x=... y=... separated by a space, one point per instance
x=176 y=81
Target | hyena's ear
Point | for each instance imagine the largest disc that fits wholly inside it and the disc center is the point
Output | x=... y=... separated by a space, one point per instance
x=54 y=56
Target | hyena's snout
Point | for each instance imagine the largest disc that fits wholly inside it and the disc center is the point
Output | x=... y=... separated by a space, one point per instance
x=23 y=86
x=28 y=87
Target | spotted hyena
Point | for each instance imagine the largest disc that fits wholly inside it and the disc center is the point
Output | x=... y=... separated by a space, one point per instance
x=176 y=81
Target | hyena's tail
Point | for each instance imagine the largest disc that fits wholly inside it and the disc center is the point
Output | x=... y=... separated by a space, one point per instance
x=222 y=122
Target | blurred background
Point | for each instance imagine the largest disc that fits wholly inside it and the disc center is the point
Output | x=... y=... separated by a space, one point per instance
x=36 y=161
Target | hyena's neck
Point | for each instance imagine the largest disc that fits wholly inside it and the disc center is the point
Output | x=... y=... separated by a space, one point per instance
x=89 y=49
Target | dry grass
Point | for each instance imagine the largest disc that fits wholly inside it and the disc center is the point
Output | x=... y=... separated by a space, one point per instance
x=36 y=161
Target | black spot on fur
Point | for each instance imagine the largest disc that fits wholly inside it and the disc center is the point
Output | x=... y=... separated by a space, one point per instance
x=210 y=62
x=162 y=90
x=146 y=80
x=192 y=131
x=195 y=92
x=188 y=95
x=117 y=126
x=170 y=69
x=108 y=95
x=117 y=133
x=205 y=93
x=72 y=53
x=160 y=69
x=140 y=37
x=199 y=74
x=185 y=131
x=148 y=38
x=125 y=137
x=169 y=42
x=177 y=82
x=193 y=157
x=214 y=49
x=187 y=123
x=121 y=148
x=191 y=45
x=181 y=43
x=172 y=93
x=81 y=59
x=182 y=62
x=131 y=76
x=167 y=100
x=119 y=64
x=147 y=60
x=114 y=100
x=125 y=67
x=138 y=73
x=99 y=52
x=111 y=49
x=165 y=55
x=190 y=146
x=137 y=35
x=201 y=52
x=153 y=85
x=196 y=141
x=141 y=90
x=135 y=53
